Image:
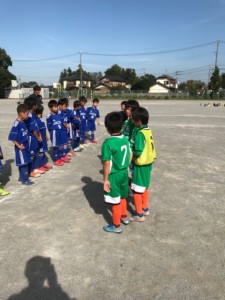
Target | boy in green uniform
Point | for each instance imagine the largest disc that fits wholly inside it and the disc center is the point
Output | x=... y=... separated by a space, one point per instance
x=116 y=157
x=144 y=155
x=128 y=125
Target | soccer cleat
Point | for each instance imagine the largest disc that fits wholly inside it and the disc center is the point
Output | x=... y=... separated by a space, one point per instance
x=94 y=141
x=136 y=218
x=77 y=149
x=112 y=228
x=3 y=192
x=125 y=221
x=35 y=174
x=146 y=211
x=65 y=160
x=47 y=167
x=27 y=182
x=59 y=163
x=42 y=169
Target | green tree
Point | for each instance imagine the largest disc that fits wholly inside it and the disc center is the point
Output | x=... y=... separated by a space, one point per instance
x=215 y=81
x=223 y=80
x=143 y=83
x=5 y=75
x=115 y=70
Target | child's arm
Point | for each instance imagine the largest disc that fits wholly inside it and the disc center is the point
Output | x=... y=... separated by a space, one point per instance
x=20 y=146
x=106 y=169
x=98 y=122
x=37 y=135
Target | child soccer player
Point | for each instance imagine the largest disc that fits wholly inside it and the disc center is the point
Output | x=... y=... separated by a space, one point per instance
x=123 y=110
x=65 y=129
x=116 y=158
x=70 y=115
x=144 y=155
x=92 y=115
x=3 y=192
x=34 y=137
x=76 y=123
x=83 y=123
x=54 y=125
x=19 y=136
x=128 y=125
x=42 y=159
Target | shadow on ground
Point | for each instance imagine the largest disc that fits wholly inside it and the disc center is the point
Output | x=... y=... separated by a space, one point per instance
x=42 y=282
x=93 y=191
x=6 y=172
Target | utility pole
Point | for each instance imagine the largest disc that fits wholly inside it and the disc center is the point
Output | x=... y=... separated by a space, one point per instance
x=217 y=51
x=81 y=75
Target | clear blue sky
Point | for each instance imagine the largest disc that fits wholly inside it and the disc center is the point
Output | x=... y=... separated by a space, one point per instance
x=49 y=29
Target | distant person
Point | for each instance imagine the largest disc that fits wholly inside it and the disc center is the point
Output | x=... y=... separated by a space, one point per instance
x=144 y=155
x=92 y=116
x=37 y=94
x=76 y=123
x=3 y=191
x=83 y=123
x=128 y=125
x=20 y=137
x=123 y=110
x=116 y=156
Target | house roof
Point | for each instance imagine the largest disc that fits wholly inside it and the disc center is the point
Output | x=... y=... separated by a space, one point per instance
x=76 y=77
x=166 y=76
x=114 y=78
x=103 y=85
x=164 y=86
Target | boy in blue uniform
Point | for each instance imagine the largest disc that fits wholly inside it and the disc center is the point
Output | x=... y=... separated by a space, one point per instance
x=76 y=123
x=92 y=115
x=65 y=129
x=83 y=123
x=42 y=158
x=54 y=125
x=69 y=113
x=116 y=157
x=3 y=192
x=20 y=137
x=34 y=136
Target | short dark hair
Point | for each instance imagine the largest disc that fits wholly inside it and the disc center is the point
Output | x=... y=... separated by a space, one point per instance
x=82 y=99
x=132 y=103
x=39 y=110
x=36 y=88
x=22 y=108
x=52 y=103
x=140 y=114
x=95 y=100
x=124 y=102
x=114 y=122
x=30 y=102
x=62 y=101
x=76 y=103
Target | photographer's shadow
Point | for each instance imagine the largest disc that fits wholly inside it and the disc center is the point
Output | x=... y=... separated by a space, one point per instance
x=6 y=171
x=93 y=191
x=42 y=282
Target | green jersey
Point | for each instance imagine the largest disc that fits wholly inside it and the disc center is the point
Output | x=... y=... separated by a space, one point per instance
x=116 y=149
x=128 y=127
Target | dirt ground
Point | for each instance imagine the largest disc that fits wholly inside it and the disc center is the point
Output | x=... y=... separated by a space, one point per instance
x=51 y=234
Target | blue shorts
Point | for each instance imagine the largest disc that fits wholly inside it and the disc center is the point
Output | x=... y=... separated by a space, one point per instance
x=33 y=145
x=55 y=137
x=83 y=127
x=22 y=156
x=63 y=137
x=70 y=132
x=91 y=125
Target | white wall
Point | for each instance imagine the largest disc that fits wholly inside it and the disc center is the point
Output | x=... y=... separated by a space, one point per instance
x=157 y=89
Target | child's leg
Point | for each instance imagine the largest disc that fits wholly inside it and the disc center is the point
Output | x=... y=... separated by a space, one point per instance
x=40 y=159
x=123 y=208
x=92 y=135
x=138 y=203
x=145 y=196
x=116 y=214
x=23 y=173
x=55 y=153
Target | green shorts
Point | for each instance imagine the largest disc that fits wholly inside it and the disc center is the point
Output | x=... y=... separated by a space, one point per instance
x=141 y=178
x=118 y=187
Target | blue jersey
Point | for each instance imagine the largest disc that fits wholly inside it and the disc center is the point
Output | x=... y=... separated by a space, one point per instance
x=19 y=133
x=31 y=123
x=82 y=112
x=42 y=128
x=92 y=113
x=54 y=125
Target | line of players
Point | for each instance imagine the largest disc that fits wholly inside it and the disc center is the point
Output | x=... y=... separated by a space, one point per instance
x=68 y=130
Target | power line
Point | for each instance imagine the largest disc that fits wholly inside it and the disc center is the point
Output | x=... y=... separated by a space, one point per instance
x=121 y=54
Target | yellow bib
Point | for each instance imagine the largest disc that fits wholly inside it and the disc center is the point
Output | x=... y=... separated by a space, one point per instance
x=149 y=154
